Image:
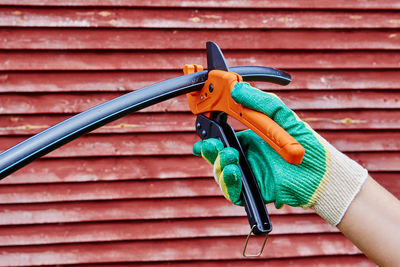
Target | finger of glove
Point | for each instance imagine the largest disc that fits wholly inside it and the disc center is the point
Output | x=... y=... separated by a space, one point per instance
x=208 y=149
x=267 y=103
x=228 y=175
x=226 y=170
x=226 y=156
x=230 y=181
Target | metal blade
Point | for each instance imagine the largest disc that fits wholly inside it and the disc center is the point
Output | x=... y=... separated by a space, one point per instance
x=215 y=58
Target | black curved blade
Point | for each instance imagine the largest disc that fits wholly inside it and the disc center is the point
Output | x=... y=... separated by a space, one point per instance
x=215 y=58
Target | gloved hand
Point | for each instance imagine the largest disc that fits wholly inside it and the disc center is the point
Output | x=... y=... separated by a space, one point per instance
x=326 y=180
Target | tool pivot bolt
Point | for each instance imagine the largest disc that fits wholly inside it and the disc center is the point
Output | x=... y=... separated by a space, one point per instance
x=211 y=87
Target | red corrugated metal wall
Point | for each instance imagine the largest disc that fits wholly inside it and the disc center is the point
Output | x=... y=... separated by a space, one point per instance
x=131 y=192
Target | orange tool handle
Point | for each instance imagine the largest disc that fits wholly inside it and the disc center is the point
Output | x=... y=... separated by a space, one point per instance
x=216 y=96
x=280 y=140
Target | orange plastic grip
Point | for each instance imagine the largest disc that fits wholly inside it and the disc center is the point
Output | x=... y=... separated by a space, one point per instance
x=216 y=96
x=280 y=140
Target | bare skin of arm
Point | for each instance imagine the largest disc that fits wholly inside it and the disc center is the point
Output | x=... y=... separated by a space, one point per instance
x=372 y=223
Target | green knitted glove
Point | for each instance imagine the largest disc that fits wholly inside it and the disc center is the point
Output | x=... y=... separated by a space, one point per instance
x=326 y=180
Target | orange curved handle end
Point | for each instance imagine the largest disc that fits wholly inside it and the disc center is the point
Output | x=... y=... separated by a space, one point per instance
x=295 y=153
x=271 y=132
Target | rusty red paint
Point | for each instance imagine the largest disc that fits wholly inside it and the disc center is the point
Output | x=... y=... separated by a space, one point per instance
x=41 y=234
x=117 y=81
x=33 y=103
x=339 y=260
x=195 y=18
x=148 y=189
x=235 y=4
x=171 y=60
x=130 y=209
x=110 y=168
x=123 y=168
x=125 y=81
x=378 y=161
x=93 y=200
x=160 y=144
x=66 y=39
x=135 y=123
x=172 y=250
x=24 y=125
x=137 y=189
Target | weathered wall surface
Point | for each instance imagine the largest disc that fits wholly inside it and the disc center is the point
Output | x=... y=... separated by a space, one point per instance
x=131 y=192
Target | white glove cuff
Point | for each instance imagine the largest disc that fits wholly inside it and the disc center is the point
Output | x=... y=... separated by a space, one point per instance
x=341 y=183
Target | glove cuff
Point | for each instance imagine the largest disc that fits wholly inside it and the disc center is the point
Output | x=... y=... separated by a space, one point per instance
x=341 y=183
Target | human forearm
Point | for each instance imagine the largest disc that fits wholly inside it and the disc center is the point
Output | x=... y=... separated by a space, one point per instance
x=372 y=223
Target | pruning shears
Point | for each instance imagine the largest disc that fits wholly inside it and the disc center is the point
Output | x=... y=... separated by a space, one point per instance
x=212 y=104
x=208 y=94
